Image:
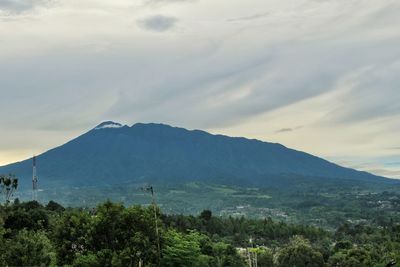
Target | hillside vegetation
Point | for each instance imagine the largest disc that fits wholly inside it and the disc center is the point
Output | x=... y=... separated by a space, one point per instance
x=112 y=154
x=114 y=235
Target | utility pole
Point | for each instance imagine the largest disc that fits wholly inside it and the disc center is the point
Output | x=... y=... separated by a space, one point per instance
x=150 y=188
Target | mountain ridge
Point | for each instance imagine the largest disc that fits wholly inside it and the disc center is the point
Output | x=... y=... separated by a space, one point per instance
x=112 y=152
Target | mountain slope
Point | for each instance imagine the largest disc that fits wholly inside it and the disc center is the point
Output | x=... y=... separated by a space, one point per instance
x=112 y=153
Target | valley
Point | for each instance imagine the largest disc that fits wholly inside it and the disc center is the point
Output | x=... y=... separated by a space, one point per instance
x=317 y=205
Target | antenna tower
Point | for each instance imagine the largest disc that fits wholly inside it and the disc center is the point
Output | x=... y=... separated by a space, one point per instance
x=34 y=179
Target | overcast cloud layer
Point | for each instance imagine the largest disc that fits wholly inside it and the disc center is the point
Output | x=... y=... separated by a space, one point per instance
x=318 y=76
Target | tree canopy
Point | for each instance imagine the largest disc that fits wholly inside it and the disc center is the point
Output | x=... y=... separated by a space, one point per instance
x=114 y=235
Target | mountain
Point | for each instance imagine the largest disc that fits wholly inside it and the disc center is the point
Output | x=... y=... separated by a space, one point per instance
x=112 y=153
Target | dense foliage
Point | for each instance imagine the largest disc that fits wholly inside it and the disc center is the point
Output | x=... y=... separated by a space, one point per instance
x=325 y=204
x=113 y=235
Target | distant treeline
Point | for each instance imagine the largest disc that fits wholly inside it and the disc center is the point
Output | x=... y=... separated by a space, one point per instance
x=113 y=235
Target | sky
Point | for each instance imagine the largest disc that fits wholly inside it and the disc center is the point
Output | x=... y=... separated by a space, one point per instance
x=321 y=76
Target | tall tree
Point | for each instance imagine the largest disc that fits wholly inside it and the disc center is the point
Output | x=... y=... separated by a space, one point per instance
x=299 y=253
x=8 y=185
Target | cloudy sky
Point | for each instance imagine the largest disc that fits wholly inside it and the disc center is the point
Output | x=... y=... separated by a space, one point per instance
x=322 y=76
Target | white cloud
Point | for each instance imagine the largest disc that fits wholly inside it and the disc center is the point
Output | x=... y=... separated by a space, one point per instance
x=243 y=68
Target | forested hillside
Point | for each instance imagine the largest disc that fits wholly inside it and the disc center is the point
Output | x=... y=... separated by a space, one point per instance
x=114 y=235
x=113 y=154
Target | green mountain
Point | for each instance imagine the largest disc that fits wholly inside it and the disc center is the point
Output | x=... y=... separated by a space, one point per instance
x=112 y=153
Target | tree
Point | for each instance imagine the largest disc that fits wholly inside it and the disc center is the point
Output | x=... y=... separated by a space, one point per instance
x=29 y=248
x=30 y=215
x=344 y=244
x=70 y=234
x=206 y=215
x=299 y=253
x=226 y=255
x=8 y=184
x=86 y=260
x=265 y=258
x=181 y=250
x=3 y=248
x=232 y=259
x=54 y=206
x=351 y=258
x=129 y=233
